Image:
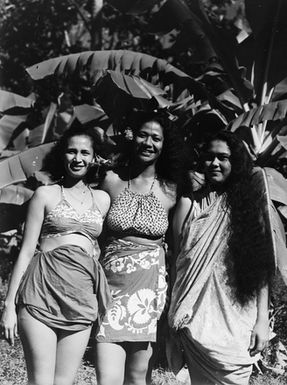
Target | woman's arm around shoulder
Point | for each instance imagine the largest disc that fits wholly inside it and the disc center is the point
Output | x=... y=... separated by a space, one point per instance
x=180 y=215
x=103 y=201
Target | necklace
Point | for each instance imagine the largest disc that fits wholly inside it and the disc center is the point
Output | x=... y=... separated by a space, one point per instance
x=80 y=193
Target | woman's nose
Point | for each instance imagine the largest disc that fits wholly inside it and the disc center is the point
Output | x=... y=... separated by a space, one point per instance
x=215 y=161
x=148 y=140
x=78 y=157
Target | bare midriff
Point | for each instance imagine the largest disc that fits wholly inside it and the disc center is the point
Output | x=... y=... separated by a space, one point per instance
x=141 y=240
x=48 y=244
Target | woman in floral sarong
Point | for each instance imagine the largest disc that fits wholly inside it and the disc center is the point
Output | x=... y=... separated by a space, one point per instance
x=142 y=192
x=219 y=304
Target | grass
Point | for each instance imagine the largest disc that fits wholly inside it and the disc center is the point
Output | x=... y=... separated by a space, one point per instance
x=13 y=372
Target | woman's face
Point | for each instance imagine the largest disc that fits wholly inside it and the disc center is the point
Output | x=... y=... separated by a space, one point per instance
x=217 y=165
x=78 y=156
x=149 y=142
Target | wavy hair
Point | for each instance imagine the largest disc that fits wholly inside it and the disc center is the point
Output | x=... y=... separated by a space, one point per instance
x=170 y=163
x=54 y=161
x=249 y=262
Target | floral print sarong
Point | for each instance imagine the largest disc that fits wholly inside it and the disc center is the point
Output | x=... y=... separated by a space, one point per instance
x=136 y=276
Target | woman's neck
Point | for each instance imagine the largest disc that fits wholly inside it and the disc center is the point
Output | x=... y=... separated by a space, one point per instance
x=69 y=182
x=145 y=171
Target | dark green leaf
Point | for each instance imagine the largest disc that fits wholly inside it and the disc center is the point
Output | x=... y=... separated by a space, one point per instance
x=8 y=124
x=15 y=194
x=23 y=165
x=267 y=19
x=13 y=104
x=272 y=111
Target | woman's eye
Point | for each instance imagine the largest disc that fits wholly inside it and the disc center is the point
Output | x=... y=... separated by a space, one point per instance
x=208 y=157
x=223 y=158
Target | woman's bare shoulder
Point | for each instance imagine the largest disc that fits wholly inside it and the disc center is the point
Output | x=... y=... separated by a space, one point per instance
x=114 y=182
x=170 y=191
x=102 y=199
x=47 y=192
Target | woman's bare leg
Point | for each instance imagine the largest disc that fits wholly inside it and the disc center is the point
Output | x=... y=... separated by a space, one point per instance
x=110 y=361
x=39 y=344
x=137 y=363
x=70 y=350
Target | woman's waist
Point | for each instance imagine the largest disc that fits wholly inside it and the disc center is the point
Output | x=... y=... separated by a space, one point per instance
x=48 y=244
x=136 y=240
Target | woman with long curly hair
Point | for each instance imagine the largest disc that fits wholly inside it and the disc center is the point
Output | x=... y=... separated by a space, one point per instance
x=219 y=302
x=58 y=288
x=143 y=191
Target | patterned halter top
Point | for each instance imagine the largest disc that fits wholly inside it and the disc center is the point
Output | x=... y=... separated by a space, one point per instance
x=64 y=220
x=137 y=214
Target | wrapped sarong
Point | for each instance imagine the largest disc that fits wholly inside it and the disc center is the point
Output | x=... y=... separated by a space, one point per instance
x=136 y=276
x=64 y=288
x=214 y=330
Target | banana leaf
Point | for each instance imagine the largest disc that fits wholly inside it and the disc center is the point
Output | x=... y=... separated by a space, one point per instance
x=38 y=134
x=20 y=167
x=156 y=71
x=8 y=124
x=213 y=44
x=13 y=104
x=8 y=153
x=271 y=111
x=86 y=113
x=15 y=194
x=267 y=19
x=277 y=185
x=133 y=7
x=129 y=62
x=118 y=94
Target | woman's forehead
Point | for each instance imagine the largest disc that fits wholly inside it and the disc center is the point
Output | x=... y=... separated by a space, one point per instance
x=153 y=127
x=218 y=146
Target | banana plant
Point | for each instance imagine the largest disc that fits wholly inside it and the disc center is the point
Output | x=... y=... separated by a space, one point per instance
x=237 y=90
x=251 y=99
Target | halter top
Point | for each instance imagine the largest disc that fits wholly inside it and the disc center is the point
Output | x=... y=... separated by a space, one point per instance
x=64 y=220
x=137 y=214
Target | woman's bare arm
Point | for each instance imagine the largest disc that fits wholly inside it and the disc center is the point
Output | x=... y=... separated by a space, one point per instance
x=260 y=333
x=32 y=230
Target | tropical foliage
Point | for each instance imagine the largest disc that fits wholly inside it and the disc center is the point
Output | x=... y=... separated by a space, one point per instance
x=210 y=64
x=240 y=81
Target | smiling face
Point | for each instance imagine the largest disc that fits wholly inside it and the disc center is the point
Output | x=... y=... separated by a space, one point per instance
x=149 y=142
x=217 y=165
x=78 y=155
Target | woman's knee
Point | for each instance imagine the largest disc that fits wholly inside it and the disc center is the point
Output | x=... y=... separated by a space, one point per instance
x=137 y=364
x=110 y=362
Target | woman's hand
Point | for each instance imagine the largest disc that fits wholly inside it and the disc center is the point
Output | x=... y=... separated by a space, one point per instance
x=9 y=324
x=259 y=337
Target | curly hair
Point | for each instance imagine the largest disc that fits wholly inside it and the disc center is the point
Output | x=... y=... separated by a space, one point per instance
x=169 y=165
x=249 y=261
x=54 y=160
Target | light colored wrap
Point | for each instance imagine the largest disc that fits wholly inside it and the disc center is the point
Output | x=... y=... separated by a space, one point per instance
x=214 y=330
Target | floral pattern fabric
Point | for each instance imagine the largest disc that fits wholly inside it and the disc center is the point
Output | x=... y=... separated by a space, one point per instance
x=137 y=279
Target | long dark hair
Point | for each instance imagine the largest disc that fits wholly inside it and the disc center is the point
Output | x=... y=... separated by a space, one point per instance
x=54 y=161
x=169 y=165
x=250 y=263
